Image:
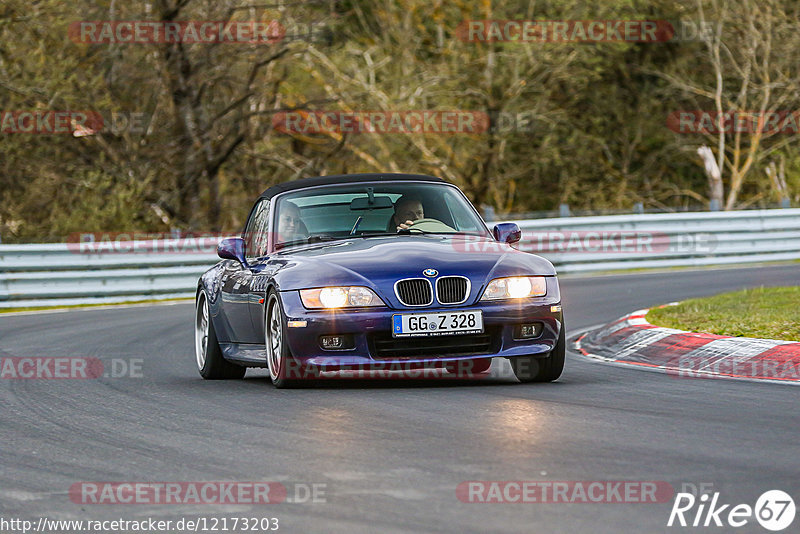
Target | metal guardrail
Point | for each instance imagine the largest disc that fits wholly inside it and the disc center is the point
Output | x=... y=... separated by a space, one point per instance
x=67 y=274
x=63 y=274
x=578 y=244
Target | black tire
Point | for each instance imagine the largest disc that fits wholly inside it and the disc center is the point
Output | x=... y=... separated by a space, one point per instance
x=547 y=369
x=283 y=370
x=208 y=355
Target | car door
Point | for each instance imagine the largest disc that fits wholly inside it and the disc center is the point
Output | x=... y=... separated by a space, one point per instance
x=237 y=280
x=261 y=270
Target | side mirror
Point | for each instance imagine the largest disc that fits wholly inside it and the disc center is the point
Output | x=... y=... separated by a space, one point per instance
x=232 y=248
x=507 y=233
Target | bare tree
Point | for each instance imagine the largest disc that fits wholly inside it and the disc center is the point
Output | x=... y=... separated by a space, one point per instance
x=753 y=78
x=715 y=187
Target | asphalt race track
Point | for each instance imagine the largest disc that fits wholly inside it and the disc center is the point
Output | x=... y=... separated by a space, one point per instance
x=390 y=453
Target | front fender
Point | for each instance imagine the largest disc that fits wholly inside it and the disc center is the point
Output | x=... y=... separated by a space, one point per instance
x=211 y=282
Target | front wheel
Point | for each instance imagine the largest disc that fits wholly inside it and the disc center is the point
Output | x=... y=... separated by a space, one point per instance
x=210 y=362
x=279 y=359
x=532 y=369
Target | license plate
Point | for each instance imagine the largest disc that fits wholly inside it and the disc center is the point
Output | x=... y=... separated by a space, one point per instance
x=437 y=324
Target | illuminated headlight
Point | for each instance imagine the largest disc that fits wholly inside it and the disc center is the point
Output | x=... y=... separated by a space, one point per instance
x=516 y=287
x=339 y=297
x=333 y=297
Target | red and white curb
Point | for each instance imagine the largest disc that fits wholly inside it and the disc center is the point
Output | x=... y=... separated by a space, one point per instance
x=631 y=340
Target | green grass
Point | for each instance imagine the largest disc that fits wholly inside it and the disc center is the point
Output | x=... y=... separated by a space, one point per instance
x=107 y=304
x=771 y=313
x=678 y=268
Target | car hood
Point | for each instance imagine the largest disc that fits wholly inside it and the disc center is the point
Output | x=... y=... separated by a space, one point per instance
x=378 y=262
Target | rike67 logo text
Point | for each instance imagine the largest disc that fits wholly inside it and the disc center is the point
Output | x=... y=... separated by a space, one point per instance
x=774 y=510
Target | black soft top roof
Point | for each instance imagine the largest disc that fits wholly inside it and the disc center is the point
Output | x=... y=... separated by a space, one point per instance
x=346 y=179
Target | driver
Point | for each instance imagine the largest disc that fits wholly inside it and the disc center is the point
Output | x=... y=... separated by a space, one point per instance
x=290 y=224
x=406 y=211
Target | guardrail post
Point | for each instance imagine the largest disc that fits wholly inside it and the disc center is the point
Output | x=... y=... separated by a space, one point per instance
x=3 y=281
x=563 y=210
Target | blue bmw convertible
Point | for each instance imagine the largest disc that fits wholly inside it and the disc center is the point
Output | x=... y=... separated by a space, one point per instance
x=372 y=270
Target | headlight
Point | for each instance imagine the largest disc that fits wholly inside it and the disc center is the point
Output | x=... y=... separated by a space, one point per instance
x=516 y=287
x=339 y=297
x=333 y=297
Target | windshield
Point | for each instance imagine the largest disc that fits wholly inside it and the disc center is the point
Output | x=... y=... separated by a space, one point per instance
x=371 y=209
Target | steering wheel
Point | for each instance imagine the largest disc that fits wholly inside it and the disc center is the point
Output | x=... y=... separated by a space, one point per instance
x=430 y=225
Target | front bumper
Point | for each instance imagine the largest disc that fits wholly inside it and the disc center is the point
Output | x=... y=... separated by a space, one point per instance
x=372 y=342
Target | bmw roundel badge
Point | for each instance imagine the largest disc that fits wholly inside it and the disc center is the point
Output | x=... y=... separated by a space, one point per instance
x=430 y=273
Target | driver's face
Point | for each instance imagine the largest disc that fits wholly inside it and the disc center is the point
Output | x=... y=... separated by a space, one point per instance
x=289 y=222
x=409 y=211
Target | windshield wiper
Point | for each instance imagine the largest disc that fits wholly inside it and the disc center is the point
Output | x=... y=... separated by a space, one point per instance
x=285 y=244
x=321 y=238
x=307 y=241
x=406 y=231
x=375 y=234
x=409 y=231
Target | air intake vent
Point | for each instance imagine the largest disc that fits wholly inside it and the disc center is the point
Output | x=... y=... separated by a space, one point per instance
x=452 y=289
x=414 y=292
x=383 y=346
